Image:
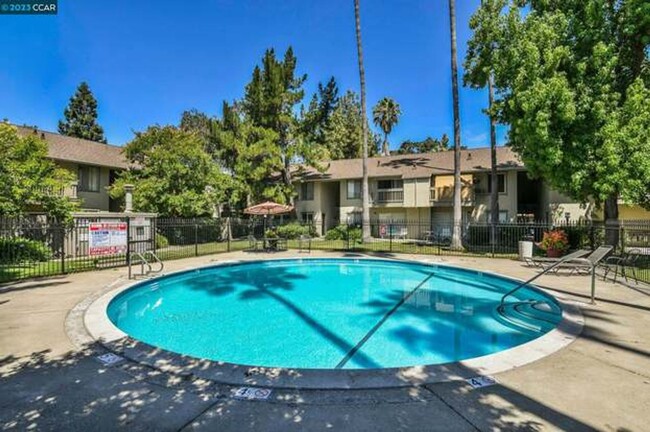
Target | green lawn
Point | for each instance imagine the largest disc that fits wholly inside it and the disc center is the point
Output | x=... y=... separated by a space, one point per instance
x=55 y=267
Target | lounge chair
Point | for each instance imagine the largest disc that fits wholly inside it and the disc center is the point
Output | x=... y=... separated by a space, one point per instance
x=625 y=261
x=582 y=265
x=543 y=262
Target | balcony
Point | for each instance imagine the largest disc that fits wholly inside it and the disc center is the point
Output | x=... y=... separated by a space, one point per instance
x=445 y=195
x=386 y=196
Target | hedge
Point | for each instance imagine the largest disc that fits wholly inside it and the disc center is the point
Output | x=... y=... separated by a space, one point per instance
x=14 y=250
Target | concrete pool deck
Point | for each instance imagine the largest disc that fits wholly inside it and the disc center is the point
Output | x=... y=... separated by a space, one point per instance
x=50 y=382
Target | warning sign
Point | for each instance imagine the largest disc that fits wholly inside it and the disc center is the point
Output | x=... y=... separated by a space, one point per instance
x=107 y=238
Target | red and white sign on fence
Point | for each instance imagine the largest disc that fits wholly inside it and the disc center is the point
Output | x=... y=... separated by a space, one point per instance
x=107 y=238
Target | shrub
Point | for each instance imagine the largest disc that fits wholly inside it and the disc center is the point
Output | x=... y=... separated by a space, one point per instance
x=294 y=230
x=161 y=241
x=343 y=232
x=19 y=250
x=507 y=236
x=555 y=239
x=187 y=233
x=578 y=237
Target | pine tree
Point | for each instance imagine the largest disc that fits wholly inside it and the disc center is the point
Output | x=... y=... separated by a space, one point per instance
x=269 y=102
x=81 y=116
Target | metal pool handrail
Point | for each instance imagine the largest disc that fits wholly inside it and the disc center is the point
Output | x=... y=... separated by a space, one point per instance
x=571 y=257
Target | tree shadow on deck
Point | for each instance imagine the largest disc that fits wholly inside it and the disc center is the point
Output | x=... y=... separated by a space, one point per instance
x=77 y=392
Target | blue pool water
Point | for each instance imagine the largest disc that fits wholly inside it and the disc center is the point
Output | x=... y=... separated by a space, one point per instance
x=331 y=313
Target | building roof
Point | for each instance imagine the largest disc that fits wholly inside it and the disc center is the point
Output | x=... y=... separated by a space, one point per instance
x=70 y=149
x=413 y=165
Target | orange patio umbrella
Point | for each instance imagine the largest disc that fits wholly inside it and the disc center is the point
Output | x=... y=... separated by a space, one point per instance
x=268 y=208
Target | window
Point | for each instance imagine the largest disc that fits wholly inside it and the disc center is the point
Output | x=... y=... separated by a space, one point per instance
x=390 y=184
x=307 y=217
x=354 y=218
x=88 y=178
x=307 y=191
x=354 y=189
x=501 y=178
x=503 y=216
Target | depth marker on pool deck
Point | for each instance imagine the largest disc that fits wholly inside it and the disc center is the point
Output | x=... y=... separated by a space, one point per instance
x=481 y=381
x=252 y=393
x=387 y=315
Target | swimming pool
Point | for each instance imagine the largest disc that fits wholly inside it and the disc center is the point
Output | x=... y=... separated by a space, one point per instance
x=325 y=313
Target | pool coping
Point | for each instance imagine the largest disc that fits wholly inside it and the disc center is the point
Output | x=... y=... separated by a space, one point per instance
x=101 y=329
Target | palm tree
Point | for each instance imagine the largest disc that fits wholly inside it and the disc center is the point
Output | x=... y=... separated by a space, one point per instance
x=365 y=193
x=483 y=51
x=386 y=115
x=458 y=215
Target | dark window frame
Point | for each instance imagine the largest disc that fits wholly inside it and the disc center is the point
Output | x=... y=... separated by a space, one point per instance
x=84 y=180
x=305 y=219
x=348 y=189
x=307 y=193
x=499 y=177
x=394 y=184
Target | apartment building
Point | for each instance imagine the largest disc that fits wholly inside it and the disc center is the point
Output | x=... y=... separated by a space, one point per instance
x=95 y=166
x=419 y=189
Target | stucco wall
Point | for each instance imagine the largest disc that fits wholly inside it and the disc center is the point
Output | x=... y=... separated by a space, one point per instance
x=507 y=200
x=555 y=204
x=310 y=206
x=92 y=200
x=416 y=192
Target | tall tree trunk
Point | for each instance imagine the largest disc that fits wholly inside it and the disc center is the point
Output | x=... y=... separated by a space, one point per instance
x=384 y=149
x=456 y=242
x=365 y=192
x=494 y=195
x=611 y=221
x=286 y=179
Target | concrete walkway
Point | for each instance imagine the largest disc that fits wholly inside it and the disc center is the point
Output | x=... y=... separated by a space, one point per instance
x=48 y=382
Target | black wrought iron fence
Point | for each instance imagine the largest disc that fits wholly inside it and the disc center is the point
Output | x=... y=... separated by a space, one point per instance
x=34 y=247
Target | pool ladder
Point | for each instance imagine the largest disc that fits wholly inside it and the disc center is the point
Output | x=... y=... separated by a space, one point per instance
x=145 y=259
x=518 y=307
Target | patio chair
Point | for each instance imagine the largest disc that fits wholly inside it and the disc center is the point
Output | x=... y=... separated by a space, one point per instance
x=304 y=243
x=253 y=243
x=623 y=262
x=583 y=265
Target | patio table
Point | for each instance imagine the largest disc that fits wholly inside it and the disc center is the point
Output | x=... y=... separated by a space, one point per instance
x=274 y=244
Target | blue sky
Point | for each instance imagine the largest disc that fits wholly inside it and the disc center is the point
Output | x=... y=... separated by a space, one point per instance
x=148 y=61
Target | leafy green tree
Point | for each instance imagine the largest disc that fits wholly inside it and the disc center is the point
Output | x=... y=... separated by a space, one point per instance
x=483 y=50
x=365 y=191
x=344 y=127
x=174 y=174
x=428 y=145
x=386 y=115
x=81 y=116
x=248 y=153
x=457 y=209
x=29 y=181
x=196 y=121
x=574 y=79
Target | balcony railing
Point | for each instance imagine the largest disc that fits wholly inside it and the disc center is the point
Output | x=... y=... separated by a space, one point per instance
x=445 y=194
x=388 y=196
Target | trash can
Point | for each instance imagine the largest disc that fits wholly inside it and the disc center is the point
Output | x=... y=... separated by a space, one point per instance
x=525 y=249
